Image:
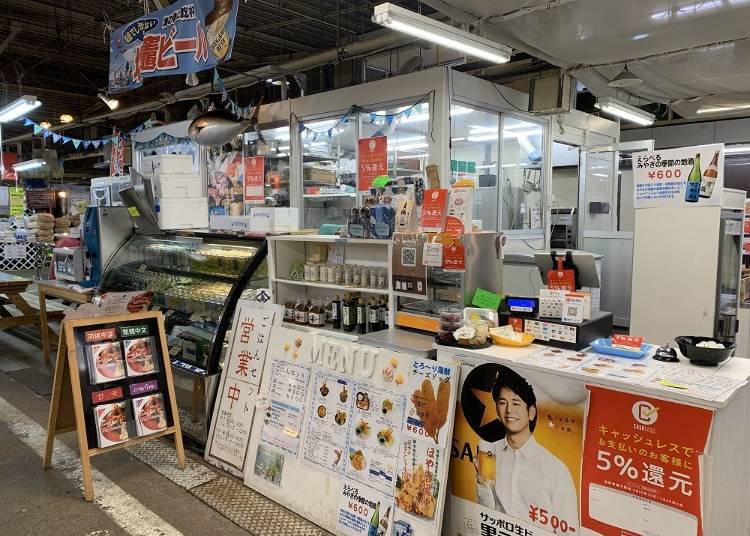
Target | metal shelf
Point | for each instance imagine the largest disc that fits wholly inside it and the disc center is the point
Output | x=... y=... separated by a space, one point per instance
x=321 y=196
x=343 y=288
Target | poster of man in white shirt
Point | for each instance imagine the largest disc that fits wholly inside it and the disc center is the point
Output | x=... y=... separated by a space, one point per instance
x=516 y=451
x=525 y=474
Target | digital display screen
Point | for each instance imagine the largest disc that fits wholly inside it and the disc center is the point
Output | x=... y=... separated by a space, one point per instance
x=526 y=305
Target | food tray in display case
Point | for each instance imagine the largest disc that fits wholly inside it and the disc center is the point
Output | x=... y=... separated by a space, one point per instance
x=196 y=281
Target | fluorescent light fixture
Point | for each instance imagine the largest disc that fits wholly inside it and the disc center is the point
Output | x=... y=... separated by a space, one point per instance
x=408 y=22
x=454 y=140
x=487 y=166
x=410 y=146
x=408 y=139
x=18 y=108
x=28 y=164
x=66 y=118
x=109 y=101
x=410 y=156
x=483 y=137
x=719 y=109
x=45 y=124
x=737 y=149
x=625 y=111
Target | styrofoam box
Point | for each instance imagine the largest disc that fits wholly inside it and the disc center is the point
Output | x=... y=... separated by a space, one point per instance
x=241 y=224
x=177 y=185
x=183 y=213
x=168 y=163
x=274 y=219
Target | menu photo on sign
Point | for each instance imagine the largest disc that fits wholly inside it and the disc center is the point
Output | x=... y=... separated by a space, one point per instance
x=683 y=177
x=328 y=422
x=432 y=396
x=284 y=413
x=238 y=391
x=642 y=466
x=364 y=511
x=374 y=437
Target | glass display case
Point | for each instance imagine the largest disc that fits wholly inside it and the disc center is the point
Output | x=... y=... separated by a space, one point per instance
x=197 y=280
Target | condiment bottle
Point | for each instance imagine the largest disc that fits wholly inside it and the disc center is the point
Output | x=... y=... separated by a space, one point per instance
x=336 y=313
x=348 y=314
x=361 y=316
x=373 y=316
x=384 y=320
x=289 y=311
x=317 y=315
x=301 y=312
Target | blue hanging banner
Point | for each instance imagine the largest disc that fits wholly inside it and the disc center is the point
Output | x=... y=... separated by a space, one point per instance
x=65 y=139
x=56 y=137
x=187 y=36
x=76 y=143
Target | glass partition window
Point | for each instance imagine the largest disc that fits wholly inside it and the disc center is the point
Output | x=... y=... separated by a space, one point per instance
x=474 y=155
x=329 y=171
x=274 y=189
x=408 y=137
x=522 y=174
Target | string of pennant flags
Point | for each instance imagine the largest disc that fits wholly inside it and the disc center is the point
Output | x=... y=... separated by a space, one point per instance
x=78 y=143
x=243 y=112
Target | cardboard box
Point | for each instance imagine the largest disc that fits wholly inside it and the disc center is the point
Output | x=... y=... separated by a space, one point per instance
x=183 y=213
x=274 y=219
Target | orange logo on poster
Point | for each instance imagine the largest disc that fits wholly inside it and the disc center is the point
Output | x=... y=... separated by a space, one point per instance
x=372 y=144
x=645 y=413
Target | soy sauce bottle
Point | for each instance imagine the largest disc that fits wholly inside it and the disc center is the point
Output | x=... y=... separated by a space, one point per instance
x=373 y=316
x=336 y=312
x=348 y=314
x=361 y=317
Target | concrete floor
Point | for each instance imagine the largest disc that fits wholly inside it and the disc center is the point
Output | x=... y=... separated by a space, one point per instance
x=132 y=497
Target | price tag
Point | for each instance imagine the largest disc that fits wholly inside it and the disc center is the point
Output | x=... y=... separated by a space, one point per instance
x=133 y=212
x=432 y=254
x=14 y=251
x=486 y=299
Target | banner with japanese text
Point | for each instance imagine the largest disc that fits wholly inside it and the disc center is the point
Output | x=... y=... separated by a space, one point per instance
x=186 y=37
x=516 y=452
x=683 y=177
x=255 y=177
x=372 y=161
x=641 y=470
x=235 y=403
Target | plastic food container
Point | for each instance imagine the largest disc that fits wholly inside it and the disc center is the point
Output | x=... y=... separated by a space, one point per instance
x=501 y=336
x=472 y=333
x=451 y=315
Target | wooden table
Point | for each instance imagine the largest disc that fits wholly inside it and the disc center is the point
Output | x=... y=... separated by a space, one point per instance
x=56 y=289
x=13 y=288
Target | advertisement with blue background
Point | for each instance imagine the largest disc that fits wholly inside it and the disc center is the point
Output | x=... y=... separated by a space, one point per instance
x=186 y=37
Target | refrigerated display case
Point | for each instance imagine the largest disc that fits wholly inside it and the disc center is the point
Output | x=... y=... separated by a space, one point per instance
x=197 y=280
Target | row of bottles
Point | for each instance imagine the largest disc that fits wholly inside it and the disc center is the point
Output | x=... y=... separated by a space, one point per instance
x=354 y=313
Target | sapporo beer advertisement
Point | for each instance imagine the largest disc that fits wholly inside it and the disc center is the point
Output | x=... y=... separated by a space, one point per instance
x=683 y=177
x=516 y=452
x=642 y=465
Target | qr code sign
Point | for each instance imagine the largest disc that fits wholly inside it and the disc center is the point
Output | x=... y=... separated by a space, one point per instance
x=409 y=257
x=573 y=310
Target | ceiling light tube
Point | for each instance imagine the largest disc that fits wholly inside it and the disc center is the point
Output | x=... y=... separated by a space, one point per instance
x=28 y=164
x=408 y=22
x=18 y=108
x=625 y=111
x=719 y=109
x=111 y=103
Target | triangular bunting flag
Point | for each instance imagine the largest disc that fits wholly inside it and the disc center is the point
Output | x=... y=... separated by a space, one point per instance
x=408 y=111
x=373 y=117
x=86 y=144
x=389 y=119
x=46 y=133
x=27 y=122
x=56 y=137
x=37 y=129
x=330 y=132
x=302 y=127
x=96 y=143
x=106 y=141
x=76 y=143
x=65 y=139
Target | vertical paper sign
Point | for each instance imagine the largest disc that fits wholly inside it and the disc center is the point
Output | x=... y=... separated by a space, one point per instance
x=433 y=210
x=254 y=179
x=683 y=177
x=243 y=369
x=16 y=201
x=641 y=465
x=373 y=161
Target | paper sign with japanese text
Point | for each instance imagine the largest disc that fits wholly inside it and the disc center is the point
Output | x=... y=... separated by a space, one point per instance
x=240 y=382
x=372 y=161
x=433 y=211
x=363 y=511
x=185 y=37
x=683 y=177
x=254 y=179
x=454 y=258
x=641 y=470
x=431 y=395
x=16 y=201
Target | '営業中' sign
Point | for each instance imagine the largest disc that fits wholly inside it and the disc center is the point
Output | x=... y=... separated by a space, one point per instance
x=683 y=177
x=186 y=37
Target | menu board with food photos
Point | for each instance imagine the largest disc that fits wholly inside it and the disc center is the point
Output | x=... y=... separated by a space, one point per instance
x=113 y=384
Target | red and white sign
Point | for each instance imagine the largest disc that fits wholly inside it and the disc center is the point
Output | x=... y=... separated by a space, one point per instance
x=98 y=397
x=8 y=160
x=641 y=470
x=255 y=178
x=454 y=257
x=373 y=161
x=433 y=210
x=627 y=342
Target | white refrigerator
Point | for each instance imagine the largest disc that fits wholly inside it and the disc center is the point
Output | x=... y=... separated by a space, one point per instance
x=686 y=268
